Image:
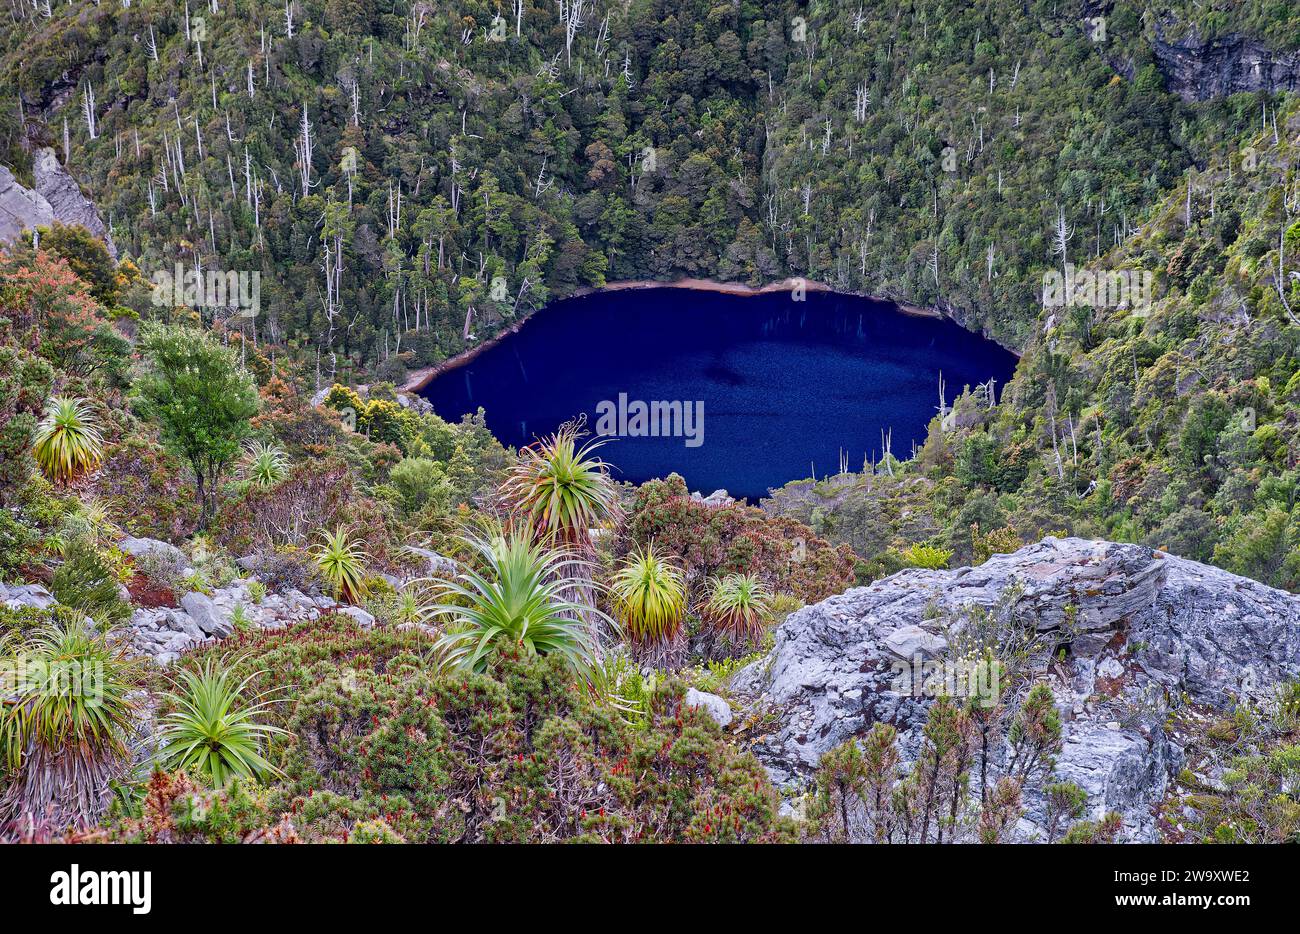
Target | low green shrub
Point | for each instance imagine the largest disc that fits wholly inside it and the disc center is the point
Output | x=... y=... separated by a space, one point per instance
x=383 y=747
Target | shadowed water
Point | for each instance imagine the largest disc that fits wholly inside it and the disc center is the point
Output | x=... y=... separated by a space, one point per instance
x=785 y=385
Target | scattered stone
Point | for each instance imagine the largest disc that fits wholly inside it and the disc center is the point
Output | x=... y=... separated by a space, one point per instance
x=364 y=620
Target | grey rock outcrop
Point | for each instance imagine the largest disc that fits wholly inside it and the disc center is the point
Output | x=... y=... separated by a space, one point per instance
x=64 y=195
x=56 y=197
x=20 y=208
x=1200 y=69
x=1139 y=630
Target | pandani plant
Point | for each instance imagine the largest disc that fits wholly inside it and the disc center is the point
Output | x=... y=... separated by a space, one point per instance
x=342 y=562
x=560 y=489
x=649 y=596
x=68 y=440
x=66 y=717
x=213 y=731
x=738 y=605
x=519 y=595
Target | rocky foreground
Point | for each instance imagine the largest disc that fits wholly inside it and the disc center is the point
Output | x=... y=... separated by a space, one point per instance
x=1139 y=634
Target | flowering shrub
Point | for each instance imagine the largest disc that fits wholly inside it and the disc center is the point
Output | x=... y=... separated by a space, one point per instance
x=719 y=540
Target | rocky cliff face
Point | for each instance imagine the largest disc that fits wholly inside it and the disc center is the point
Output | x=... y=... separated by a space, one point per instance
x=57 y=197
x=1200 y=69
x=1140 y=631
x=20 y=208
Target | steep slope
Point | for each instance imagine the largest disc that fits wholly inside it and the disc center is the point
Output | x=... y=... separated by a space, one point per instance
x=1173 y=420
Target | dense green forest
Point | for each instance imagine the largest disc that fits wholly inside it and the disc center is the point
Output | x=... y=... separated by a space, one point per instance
x=409 y=179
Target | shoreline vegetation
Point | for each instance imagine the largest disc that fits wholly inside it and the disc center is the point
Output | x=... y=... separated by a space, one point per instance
x=420 y=378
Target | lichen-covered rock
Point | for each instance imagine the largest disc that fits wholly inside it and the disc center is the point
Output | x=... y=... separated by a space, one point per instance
x=712 y=704
x=32 y=596
x=1142 y=628
x=152 y=548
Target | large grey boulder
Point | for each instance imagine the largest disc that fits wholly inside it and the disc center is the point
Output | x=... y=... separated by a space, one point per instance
x=207 y=615
x=1141 y=630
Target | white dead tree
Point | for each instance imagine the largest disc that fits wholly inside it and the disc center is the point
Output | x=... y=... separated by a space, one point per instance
x=288 y=19
x=151 y=44
x=88 y=110
x=572 y=13
x=304 y=147
x=1061 y=234
x=1280 y=280
x=863 y=100
x=415 y=24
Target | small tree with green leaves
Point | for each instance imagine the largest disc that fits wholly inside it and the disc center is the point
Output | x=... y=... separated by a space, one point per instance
x=841 y=792
x=202 y=399
x=1065 y=802
x=880 y=772
x=1035 y=735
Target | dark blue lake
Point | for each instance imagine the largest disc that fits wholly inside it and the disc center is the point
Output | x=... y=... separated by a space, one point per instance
x=785 y=386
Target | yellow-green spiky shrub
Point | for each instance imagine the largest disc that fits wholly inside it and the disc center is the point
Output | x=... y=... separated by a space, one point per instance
x=68 y=440
x=649 y=595
x=738 y=605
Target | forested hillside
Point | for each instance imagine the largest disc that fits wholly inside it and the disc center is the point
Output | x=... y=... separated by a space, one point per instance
x=409 y=178
x=1177 y=426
